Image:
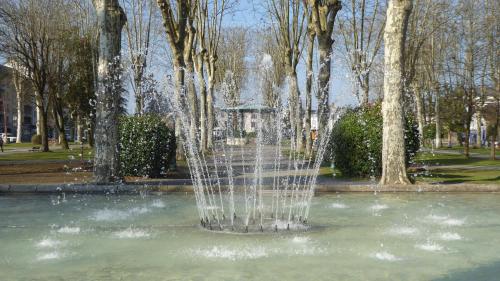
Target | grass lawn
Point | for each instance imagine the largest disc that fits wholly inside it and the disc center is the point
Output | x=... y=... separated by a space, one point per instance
x=482 y=150
x=55 y=154
x=436 y=159
x=459 y=176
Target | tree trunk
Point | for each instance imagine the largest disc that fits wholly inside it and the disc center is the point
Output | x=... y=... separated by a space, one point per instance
x=467 y=140
x=437 y=116
x=325 y=50
x=179 y=67
x=393 y=142
x=110 y=21
x=19 y=116
x=294 y=107
x=420 y=113
x=79 y=128
x=191 y=87
x=365 y=86
x=478 y=125
x=449 y=138
x=38 y=117
x=492 y=148
x=309 y=80
x=59 y=122
x=210 y=110
x=203 y=102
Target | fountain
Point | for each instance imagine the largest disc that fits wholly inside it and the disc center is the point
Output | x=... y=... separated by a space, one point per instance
x=265 y=185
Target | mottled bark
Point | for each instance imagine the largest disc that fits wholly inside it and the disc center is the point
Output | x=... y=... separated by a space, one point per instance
x=38 y=118
x=420 y=112
x=437 y=119
x=478 y=125
x=323 y=15
x=309 y=79
x=210 y=101
x=18 y=85
x=203 y=101
x=110 y=21
x=79 y=128
x=191 y=87
x=393 y=142
x=324 y=49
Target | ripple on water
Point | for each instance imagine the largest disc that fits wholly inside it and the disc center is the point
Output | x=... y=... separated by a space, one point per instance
x=379 y=207
x=233 y=254
x=69 y=230
x=454 y=222
x=386 y=256
x=49 y=256
x=450 y=236
x=338 y=206
x=114 y=214
x=430 y=247
x=157 y=203
x=48 y=243
x=403 y=230
x=301 y=239
x=131 y=233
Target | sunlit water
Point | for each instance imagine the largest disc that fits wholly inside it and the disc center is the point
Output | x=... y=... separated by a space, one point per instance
x=352 y=237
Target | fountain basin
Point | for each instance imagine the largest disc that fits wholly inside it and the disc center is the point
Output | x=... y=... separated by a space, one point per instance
x=404 y=236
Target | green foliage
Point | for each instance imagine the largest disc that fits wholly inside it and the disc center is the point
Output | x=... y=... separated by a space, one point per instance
x=356 y=143
x=146 y=146
x=429 y=132
x=36 y=139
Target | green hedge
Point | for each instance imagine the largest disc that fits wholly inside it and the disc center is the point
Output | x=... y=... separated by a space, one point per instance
x=146 y=146
x=356 y=143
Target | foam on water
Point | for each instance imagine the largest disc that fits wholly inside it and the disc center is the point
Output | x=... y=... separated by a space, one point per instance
x=301 y=239
x=131 y=233
x=430 y=247
x=454 y=222
x=48 y=243
x=114 y=214
x=69 y=230
x=403 y=230
x=386 y=256
x=157 y=203
x=436 y=218
x=283 y=224
x=49 y=256
x=338 y=206
x=450 y=236
x=379 y=207
x=233 y=254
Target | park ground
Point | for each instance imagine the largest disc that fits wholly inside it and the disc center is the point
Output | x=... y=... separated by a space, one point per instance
x=19 y=165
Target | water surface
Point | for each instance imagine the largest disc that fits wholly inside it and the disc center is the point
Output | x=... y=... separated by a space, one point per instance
x=353 y=237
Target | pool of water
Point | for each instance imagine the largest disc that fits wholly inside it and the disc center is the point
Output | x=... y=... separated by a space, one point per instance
x=353 y=237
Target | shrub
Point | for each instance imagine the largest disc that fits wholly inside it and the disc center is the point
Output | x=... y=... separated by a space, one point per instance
x=36 y=139
x=356 y=143
x=146 y=146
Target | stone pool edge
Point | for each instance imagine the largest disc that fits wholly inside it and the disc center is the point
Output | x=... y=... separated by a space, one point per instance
x=186 y=188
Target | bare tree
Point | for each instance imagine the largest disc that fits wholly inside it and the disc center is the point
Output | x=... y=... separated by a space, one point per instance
x=175 y=21
x=110 y=21
x=140 y=28
x=289 y=26
x=393 y=143
x=324 y=13
x=210 y=16
x=311 y=36
x=27 y=33
x=361 y=27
